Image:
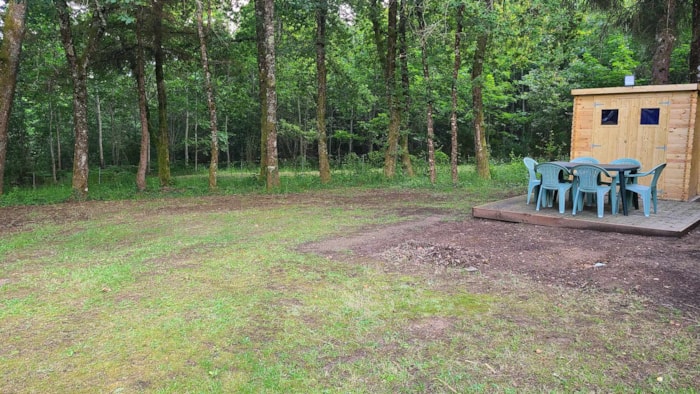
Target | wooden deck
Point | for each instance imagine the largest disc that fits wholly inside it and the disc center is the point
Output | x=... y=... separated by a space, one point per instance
x=674 y=218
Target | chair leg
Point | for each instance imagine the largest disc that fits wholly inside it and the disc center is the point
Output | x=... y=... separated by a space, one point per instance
x=539 y=199
x=600 y=197
x=613 y=200
x=646 y=197
x=551 y=195
x=653 y=198
x=562 y=202
x=576 y=203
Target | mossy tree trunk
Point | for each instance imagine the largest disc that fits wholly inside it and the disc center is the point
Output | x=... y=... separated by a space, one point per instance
x=265 y=9
x=162 y=140
x=140 y=74
x=480 y=147
x=428 y=91
x=78 y=65
x=453 y=116
x=13 y=34
x=211 y=103
x=262 y=84
x=406 y=93
x=324 y=168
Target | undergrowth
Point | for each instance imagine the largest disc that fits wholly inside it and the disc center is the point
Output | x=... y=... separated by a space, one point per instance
x=116 y=183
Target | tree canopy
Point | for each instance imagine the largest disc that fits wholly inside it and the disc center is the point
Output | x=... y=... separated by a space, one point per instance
x=536 y=52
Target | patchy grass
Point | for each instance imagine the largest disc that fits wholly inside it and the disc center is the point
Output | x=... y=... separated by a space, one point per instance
x=202 y=295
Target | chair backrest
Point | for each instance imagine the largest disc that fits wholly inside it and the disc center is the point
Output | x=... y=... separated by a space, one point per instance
x=587 y=176
x=657 y=173
x=627 y=160
x=550 y=174
x=530 y=164
x=585 y=159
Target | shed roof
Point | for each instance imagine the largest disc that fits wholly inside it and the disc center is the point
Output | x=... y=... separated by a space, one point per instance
x=636 y=89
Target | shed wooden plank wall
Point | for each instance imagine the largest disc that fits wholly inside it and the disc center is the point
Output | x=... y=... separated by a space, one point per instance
x=675 y=140
x=694 y=150
x=582 y=126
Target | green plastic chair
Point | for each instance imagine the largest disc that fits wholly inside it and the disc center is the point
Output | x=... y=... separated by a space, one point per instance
x=627 y=160
x=585 y=160
x=648 y=193
x=586 y=178
x=534 y=182
x=553 y=177
x=616 y=179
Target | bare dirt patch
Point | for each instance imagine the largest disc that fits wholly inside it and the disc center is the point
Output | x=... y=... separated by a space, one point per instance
x=664 y=270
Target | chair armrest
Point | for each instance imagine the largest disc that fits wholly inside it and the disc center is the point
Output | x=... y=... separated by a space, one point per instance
x=639 y=174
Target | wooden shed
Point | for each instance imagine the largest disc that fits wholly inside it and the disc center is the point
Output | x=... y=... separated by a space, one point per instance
x=653 y=124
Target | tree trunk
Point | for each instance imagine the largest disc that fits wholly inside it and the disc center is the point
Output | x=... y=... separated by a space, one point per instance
x=116 y=139
x=386 y=53
x=51 y=149
x=665 y=39
x=59 y=163
x=228 y=143
x=99 y=129
x=480 y=147
x=394 y=108
x=406 y=94
x=211 y=104
x=143 y=103
x=429 y=94
x=10 y=51
x=324 y=168
x=270 y=104
x=78 y=70
x=187 y=129
x=694 y=58
x=455 y=74
x=262 y=84
x=163 y=140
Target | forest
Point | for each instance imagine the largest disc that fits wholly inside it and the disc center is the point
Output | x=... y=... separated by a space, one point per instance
x=159 y=85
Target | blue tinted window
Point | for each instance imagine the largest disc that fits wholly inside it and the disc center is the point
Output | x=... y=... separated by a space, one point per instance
x=609 y=116
x=649 y=116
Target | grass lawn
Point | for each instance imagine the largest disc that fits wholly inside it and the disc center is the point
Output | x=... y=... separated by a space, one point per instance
x=211 y=294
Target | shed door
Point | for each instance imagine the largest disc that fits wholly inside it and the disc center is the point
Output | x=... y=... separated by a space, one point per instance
x=635 y=127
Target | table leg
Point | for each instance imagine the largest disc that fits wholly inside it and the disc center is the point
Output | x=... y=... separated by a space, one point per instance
x=623 y=190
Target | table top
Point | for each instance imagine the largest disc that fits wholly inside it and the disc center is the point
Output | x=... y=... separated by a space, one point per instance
x=607 y=166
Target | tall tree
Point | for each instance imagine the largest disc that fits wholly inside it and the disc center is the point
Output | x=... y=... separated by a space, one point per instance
x=406 y=93
x=665 y=38
x=262 y=84
x=78 y=64
x=265 y=12
x=386 y=50
x=211 y=103
x=163 y=138
x=455 y=74
x=98 y=111
x=480 y=148
x=10 y=51
x=422 y=32
x=323 y=163
x=140 y=74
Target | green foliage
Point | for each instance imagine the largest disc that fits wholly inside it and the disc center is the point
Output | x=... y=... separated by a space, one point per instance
x=538 y=51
